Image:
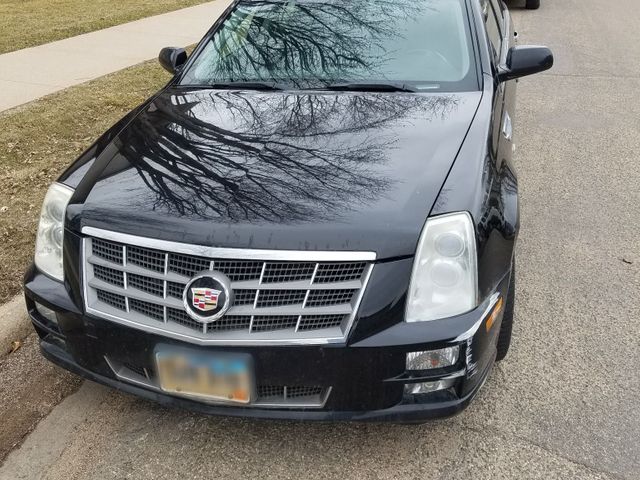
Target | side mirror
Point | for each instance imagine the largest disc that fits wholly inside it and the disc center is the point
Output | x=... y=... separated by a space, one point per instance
x=172 y=58
x=525 y=60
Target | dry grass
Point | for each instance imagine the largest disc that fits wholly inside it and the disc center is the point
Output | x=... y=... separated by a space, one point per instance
x=26 y=23
x=38 y=141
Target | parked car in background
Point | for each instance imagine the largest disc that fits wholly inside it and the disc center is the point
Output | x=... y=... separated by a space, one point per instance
x=315 y=219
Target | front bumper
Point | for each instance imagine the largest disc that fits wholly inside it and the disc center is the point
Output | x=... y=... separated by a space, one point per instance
x=366 y=377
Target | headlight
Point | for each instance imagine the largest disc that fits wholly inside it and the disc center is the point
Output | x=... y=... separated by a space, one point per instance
x=444 y=281
x=48 y=256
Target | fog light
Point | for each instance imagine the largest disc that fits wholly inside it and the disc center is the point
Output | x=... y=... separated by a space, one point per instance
x=47 y=313
x=428 y=387
x=430 y=359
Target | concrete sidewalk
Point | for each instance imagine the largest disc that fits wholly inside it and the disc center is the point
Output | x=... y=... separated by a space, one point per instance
x=28 y=74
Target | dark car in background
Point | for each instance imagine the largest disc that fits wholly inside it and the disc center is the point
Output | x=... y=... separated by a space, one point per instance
x=314 y=219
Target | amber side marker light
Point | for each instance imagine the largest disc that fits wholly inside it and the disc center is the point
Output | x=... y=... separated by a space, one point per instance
x=494 y=314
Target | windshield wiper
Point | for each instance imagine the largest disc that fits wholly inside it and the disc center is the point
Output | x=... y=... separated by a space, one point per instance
x=370 y=87
x=246 y=85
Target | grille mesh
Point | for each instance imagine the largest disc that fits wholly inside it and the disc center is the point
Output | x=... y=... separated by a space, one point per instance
x=295 y=392
x=274 y=393
x=339 y=272
x=109 y=251
x=180 y=317
x=175 y=289
x=146 y=258
x=274 y=322
x=230 y=322
x=117 y=301
x=314 y=322
x=109 y=275
x=318 y=298
x=186 y=265
x=244 y=297
x=268 y=391
x=154 y=286
x=146 y=308
x=274 y=296
x=239 y=271
x=287 y=272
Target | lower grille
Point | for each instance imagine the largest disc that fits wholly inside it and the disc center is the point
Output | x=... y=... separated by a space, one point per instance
x=291 y=395
x=274 y=396
x=274 y=301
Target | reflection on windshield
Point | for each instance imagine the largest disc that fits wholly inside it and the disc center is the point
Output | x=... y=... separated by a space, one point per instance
x=315 y=43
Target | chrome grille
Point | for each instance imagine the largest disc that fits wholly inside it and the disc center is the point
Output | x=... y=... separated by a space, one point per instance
x=274 y=300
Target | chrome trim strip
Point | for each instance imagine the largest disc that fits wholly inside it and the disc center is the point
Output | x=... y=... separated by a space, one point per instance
x=315 y=272
x=472 y=331
x=233 y=253
x=264 y=267
x=118 y=373
x=215 y=341
x=356 y=307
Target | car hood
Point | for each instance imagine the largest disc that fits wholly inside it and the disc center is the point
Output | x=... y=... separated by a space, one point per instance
x=278 y=170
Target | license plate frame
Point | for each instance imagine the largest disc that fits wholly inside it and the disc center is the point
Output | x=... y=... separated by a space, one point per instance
x=206 y=367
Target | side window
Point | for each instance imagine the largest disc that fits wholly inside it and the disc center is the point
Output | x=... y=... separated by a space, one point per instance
x=493 y=27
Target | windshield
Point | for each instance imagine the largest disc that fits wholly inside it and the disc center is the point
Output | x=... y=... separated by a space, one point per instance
x=418 y=44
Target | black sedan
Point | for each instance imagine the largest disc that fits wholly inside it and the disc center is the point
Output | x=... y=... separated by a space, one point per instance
x=315 y=218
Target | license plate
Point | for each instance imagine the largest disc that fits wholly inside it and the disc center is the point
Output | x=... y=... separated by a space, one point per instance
x=227 y=378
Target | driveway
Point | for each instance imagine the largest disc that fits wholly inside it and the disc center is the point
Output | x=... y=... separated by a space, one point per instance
x=564 y=404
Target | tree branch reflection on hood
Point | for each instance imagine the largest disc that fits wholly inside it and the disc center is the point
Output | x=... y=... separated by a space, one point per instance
x=275 y=157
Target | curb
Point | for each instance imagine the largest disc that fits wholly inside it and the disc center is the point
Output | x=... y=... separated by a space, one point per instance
x=14 y=323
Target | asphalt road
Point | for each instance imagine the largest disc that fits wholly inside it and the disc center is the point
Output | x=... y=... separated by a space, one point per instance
x=565 y=402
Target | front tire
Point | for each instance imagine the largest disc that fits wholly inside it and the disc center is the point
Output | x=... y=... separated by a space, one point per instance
x=504 y=337
x=532 y=4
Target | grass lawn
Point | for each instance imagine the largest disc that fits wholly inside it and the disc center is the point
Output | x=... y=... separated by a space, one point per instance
x=37 y=142
x=26 y=23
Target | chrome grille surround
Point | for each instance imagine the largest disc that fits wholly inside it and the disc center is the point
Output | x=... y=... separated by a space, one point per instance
x=280 y=297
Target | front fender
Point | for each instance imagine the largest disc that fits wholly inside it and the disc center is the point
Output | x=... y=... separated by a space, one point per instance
x=489 y=193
